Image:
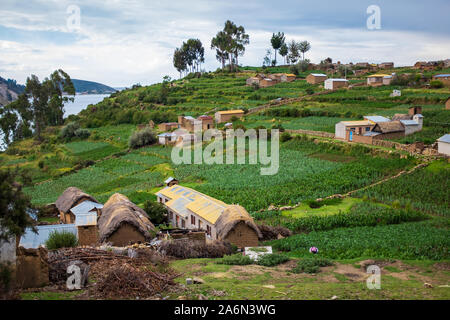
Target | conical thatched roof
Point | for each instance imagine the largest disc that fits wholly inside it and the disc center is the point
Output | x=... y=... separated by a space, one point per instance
x=119 y=210
x=231 y=216
x=70 y=197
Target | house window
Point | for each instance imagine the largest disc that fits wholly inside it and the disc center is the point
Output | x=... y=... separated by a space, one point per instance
x=367 y=128
x=199 y=224
x=352 y=129
x=208 y=230
x=183 y=224
x=193 y=220
x=170 y=215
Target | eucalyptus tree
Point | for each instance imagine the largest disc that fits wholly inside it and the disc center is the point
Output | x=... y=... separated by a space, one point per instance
x=277 y=41
x=304 y=47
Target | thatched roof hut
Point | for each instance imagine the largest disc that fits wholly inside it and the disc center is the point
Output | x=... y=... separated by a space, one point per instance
x=238 y=227
x=389 y=127
x=122 y=222
x=70 y=198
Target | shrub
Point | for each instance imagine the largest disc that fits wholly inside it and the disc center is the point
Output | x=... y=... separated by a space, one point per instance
x=235 y=259
x=5 y=277
x=187 y=249
x=63 y=239
x=82 y=133
x=311 y=265
x=270 y=260
x=436 y=84
x=156 y=211
x=68 y=131
x=142 y=138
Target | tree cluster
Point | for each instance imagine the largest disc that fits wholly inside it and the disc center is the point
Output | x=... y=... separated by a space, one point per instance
x=189 y=57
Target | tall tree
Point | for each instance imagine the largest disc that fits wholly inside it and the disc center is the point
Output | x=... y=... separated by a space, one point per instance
x=230 y=43
x=294 y=53
x=277 y=41
x=304 y=47
x=179 y=61
x=40 y=105
x=283 y=51
x=14 y=203
x=219 y=42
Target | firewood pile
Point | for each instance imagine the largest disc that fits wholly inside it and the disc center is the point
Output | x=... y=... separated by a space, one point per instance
x=124 y=280
x=114 y=276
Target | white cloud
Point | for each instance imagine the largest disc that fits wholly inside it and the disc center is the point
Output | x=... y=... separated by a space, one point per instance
x=121 y=43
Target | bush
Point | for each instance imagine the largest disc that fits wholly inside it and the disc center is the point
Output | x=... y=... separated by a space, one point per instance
x=63 y=239
x=235 y=259
x=436 y=84
x=270 y=260
x=156 y=211
x=82 y=133
x=311 y=265
x=68 y=131
x=142 y=138
x=5 y=277
x=187 y=249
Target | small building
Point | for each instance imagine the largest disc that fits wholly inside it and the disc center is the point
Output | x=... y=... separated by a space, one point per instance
x=414 y=125
x=170 y=181
x=396 y=93
x=190 y=209
x=288 y=77
x=444 y=144
x=346 y=130
x=332 y=84
x=389 y=130
x=123 y=223
x=316 y=78
x=167 y=126
x=267 y=82
x=70 y=198
x=167 y=138
x=379 y=80
x=207 y=122
x=386 y=65
x=444 y=78
x=227 y=115
x=362 y=64
x=188 y=122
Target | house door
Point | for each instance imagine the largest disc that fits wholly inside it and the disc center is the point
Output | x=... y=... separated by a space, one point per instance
x=177 y=223
x=350 y=136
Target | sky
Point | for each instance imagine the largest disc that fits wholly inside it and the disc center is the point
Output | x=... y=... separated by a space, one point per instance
x=124 y=42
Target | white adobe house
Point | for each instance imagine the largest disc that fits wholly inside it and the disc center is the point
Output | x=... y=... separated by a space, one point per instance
x=335 y=83
x=444 y=144
x=413 y=125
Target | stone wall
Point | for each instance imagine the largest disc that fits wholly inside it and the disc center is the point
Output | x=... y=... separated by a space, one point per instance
x=312 y=133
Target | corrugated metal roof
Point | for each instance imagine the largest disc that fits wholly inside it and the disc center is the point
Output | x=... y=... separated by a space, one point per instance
x=357 y=123
x=231 y=111
x=204 y=206
x=34 y=240
x=85 y=207
x=318 y=74
x=337 y=79
x=409 y=122
x=169 y=179
x=376 y=118
x=371 y=134
x=379 y=75
x=445 y=138
x=442 y=75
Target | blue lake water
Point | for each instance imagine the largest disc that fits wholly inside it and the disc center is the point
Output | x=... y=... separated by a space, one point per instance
x=81 y=102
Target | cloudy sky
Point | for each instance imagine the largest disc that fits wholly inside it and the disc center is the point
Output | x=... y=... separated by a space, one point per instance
x=122 y=42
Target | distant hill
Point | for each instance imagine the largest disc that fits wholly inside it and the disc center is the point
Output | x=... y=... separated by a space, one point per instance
x=9 y=90
x=90 y=87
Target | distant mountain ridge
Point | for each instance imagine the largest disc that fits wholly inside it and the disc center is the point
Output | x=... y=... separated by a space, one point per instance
x=91 y=87
x=9 y=90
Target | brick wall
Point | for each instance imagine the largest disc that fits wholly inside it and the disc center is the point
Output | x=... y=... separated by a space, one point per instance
x=87 y=235
x=242 y=236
